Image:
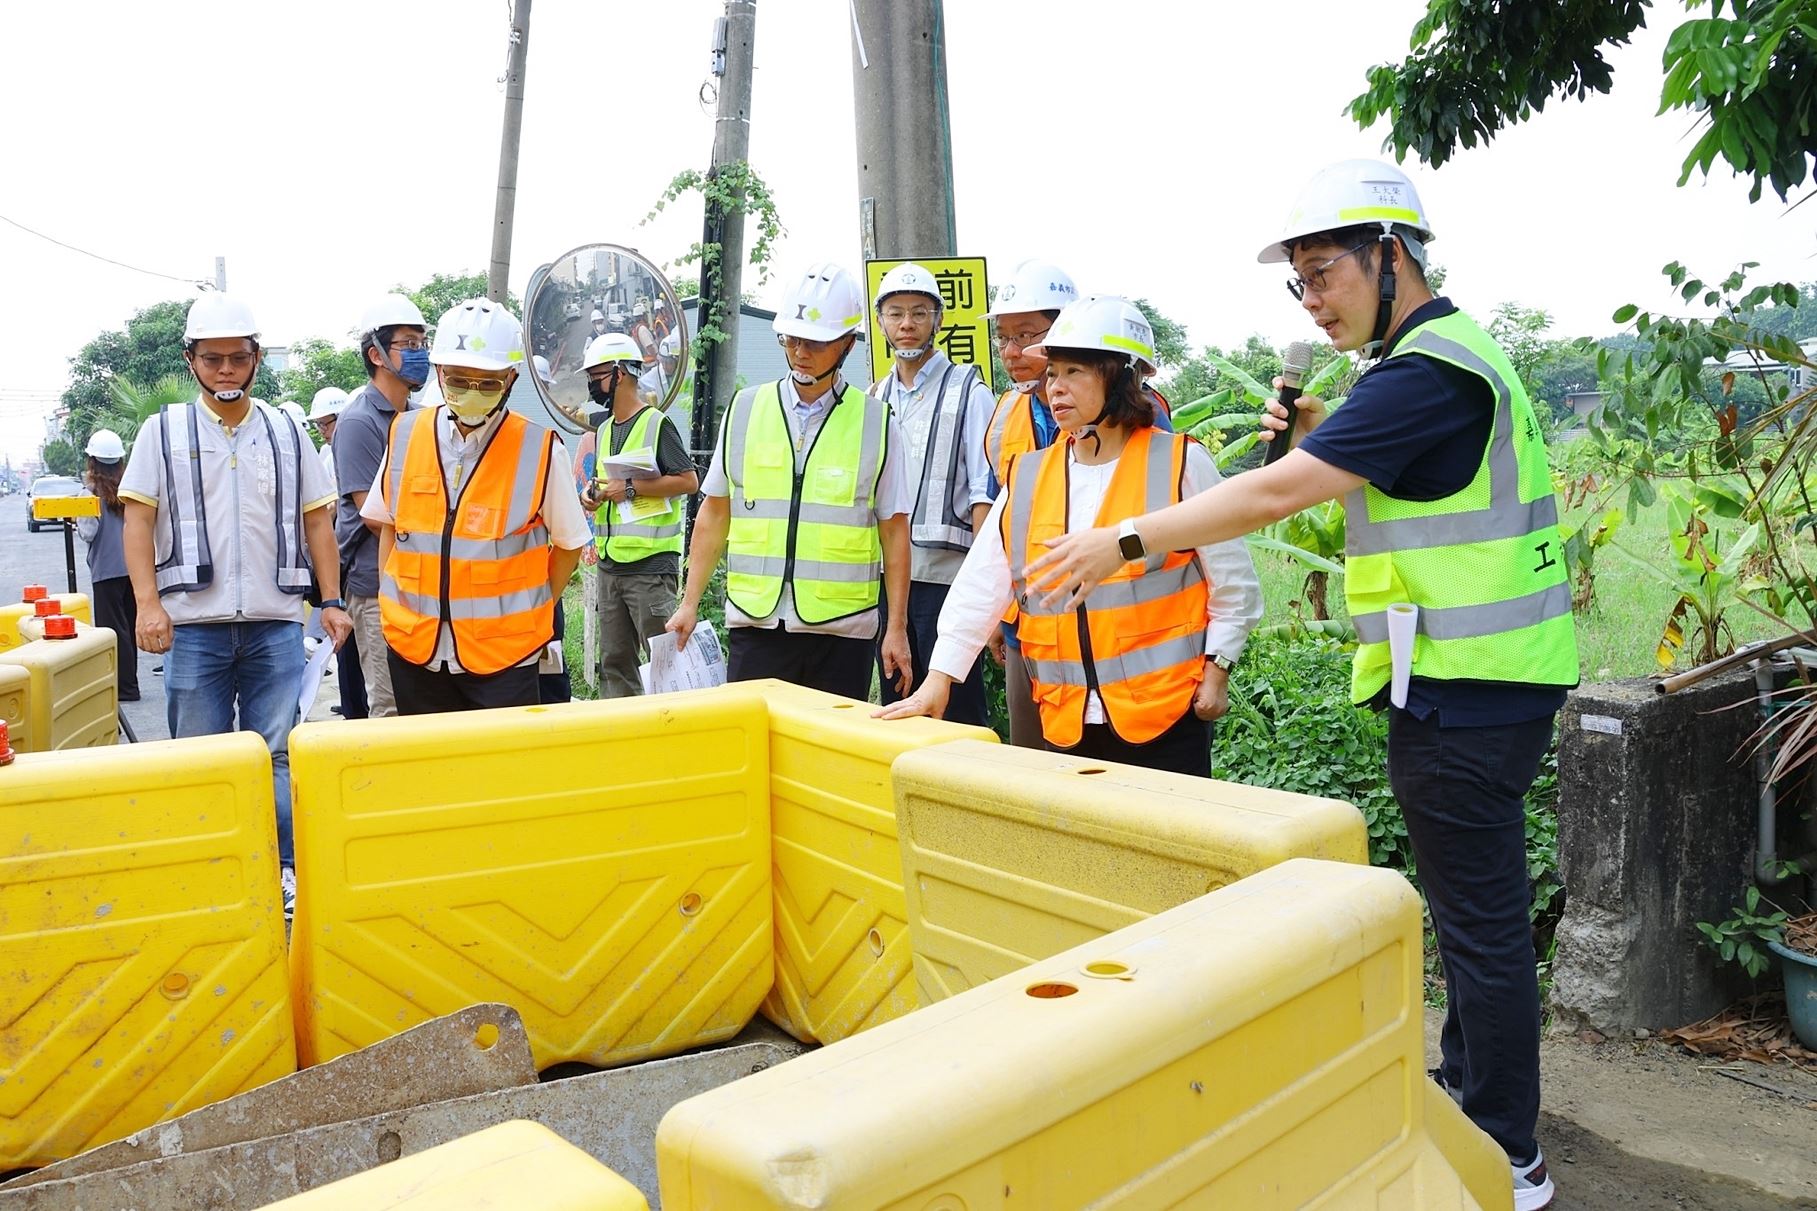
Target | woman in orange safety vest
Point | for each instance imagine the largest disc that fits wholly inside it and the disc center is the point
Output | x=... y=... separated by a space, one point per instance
x=1138 y=673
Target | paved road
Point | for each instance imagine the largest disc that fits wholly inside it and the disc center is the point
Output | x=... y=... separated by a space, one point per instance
x=27 y=558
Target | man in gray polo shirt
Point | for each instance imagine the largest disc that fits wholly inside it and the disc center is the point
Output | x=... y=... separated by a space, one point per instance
x=395 y=350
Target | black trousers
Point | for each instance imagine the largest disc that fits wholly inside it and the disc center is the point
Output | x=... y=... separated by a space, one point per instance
x=422 y=691
x=1184 y=748
x=351 y=679
x=821 y=662
x=116 y=608
x=966 y=703
x=1462 y=791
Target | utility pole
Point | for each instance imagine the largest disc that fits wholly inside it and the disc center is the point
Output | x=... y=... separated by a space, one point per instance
x=905 y=145
x=506 y=207
x=221 y=274
x=722 y=277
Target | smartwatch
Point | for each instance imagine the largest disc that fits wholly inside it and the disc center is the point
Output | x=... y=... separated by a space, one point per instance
x=332 y=603
x=1129 y=542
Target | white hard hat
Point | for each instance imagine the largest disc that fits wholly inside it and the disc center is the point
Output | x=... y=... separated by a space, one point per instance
x=328 y=403
x=822 y=304
x=479 y=334
x=294 y=411
x=542 y=368
x=391 y=311
x=671 y=344
x=1107 y=324
x=215 y=314
x=1035 y=286
x=611 y=347
x=597 y=314
x=908 y=279
x=104 y=445
x=1350 y=193
x=640 y=307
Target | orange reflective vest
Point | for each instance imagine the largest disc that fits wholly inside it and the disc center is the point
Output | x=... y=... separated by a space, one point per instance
x=1012 y=429
x=480 y=564
x=1139 y=640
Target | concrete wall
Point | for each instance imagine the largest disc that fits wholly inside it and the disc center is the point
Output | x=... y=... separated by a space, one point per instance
x=1656 y=819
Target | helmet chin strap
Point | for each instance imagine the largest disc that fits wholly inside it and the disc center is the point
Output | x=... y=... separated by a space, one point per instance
x=232 y=395
x=926 y=347
x=1384 y=309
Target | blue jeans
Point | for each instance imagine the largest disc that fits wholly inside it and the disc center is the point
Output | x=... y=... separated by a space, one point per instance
x=212 y=667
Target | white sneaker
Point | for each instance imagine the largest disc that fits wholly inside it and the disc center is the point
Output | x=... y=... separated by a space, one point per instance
x=287 y=883
x=1532 y=1185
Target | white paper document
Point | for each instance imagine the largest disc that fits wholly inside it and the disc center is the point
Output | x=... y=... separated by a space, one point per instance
x=627 y=464
x=699 y=665
x=312 y=677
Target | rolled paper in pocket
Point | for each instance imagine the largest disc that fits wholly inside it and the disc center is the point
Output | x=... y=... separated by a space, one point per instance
x=1403 y=622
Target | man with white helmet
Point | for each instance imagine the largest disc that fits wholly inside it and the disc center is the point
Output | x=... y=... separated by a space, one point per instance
x=226 y=510
x=654 y=381
x=394 y=349
x=808 y=496
x=1450 y=509
x=104 y=534
x=478 y=528
x=639 y=555
x=598 y=320
x=642 y=333
x=943 y=410
x=325 y=409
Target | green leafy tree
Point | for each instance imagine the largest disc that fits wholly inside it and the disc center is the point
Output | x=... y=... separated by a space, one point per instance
x=442 y=291
x=62 y=457
x=1751 y=78
x=315 y=364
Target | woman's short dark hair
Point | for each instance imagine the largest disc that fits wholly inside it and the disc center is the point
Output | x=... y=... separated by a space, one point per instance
x=1125 y=403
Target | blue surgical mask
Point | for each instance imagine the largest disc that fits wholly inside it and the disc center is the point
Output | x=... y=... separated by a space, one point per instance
x=415 y=366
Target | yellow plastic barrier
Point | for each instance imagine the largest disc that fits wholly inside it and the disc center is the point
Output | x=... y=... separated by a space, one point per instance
x=56 y=508
x=601 y=867
x=16 y=705
x=516 y=1165
x=1256 y=1048
x=141 y=937
x=74 y=689
x=74 y=604
x=1011 y=855
x=842 y=944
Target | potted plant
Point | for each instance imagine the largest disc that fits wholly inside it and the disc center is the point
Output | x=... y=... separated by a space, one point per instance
x=1797 y=951
x=1751 y=937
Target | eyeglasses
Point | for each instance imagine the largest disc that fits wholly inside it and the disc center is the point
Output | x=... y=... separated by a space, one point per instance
x=408 y=342
x=1299 y=284
x=485 y=386
x=214 y=361
x=804 y=342
x=895 y=315
x=1005 y=341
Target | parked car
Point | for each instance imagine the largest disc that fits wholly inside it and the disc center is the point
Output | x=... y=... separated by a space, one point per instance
x=49 y=485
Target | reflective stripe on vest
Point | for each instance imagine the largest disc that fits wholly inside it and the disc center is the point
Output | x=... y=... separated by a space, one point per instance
x=480 y=566
x=1139 y=640
x=935 y=522
x=1485 y=565
x=657 y=534
x=815 y=528
x=183 y=515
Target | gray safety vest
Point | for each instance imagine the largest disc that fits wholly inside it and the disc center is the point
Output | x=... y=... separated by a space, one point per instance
x=936 y=523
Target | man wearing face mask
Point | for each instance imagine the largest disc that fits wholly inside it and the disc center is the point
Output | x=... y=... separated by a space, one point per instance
x=479 y=528
x=640 y=559
x=808 y=495
x=223 y=495
x=395 y=352
x=943 y=410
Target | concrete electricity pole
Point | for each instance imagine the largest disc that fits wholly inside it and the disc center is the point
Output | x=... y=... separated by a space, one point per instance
x=221 y=274
x=505 y=209
x=722 y=281
x=905 y=146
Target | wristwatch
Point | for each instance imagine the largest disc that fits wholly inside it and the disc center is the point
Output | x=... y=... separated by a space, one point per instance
x=630 y=490
x=1130 y=542
x=332 y=603
x=1223 y=662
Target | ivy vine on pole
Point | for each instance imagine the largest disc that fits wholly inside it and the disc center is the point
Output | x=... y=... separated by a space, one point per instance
x=733 y=188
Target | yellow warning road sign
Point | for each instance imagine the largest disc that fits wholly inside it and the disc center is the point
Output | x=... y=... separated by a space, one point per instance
x=964 y=334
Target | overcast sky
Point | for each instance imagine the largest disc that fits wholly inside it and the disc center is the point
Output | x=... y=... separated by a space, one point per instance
x=333 y=149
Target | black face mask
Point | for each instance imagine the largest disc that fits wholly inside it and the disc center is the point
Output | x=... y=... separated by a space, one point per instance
x=600 y=390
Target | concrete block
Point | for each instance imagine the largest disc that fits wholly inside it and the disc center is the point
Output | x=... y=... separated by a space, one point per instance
x=1656 y=822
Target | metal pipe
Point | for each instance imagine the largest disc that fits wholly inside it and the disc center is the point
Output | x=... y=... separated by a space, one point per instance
x=1769 y=870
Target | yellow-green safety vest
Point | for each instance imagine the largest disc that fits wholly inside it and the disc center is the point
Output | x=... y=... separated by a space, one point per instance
x=656 y=534
x=1484 y=565
x=810 y=525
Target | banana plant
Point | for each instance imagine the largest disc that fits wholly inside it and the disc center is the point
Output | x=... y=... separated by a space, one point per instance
x=1706 y=570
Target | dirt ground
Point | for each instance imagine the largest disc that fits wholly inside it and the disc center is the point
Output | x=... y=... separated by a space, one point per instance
x=1638 y=1125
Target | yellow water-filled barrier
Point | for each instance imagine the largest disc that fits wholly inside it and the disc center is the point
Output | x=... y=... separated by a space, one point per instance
x=76 y=605
x=1258 y=1047
x=1011 y=855
x=74 y=689
x=842 y=941
x=16 y=705
x=141 y=937
x=513 y=1166
x=601 y=867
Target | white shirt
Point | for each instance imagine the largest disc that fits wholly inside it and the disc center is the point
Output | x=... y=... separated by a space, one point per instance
x=916 y=407
x=982 y=591
x=894 y=498
x=239 y=499
x=460 y=452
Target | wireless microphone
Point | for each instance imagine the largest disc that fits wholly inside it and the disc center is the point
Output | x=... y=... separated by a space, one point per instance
x=1294 y=365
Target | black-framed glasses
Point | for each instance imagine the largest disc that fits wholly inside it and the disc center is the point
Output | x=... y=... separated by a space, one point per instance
x=1005 y=341
x=1299 y=284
